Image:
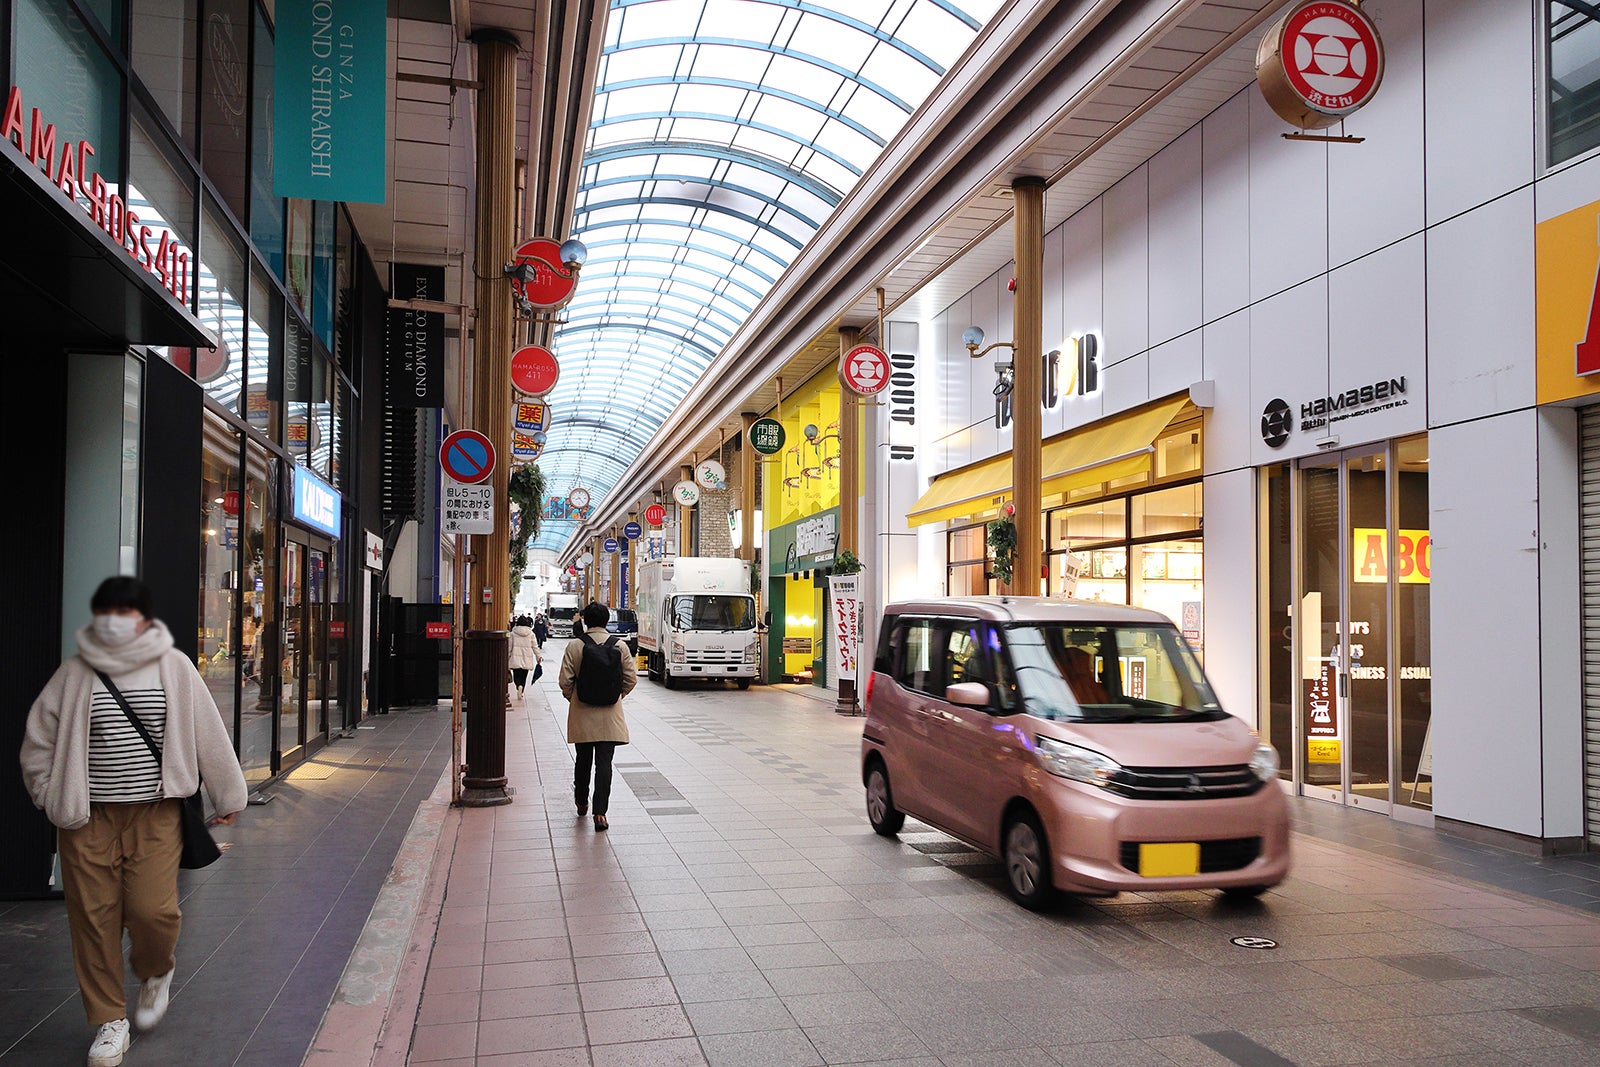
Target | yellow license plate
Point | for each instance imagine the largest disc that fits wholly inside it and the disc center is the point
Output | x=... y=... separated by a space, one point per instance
x=1169 y=858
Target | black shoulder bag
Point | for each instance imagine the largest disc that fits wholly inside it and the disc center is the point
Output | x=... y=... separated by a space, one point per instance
x=199 y=850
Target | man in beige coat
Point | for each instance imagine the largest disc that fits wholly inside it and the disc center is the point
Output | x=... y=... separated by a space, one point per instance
x=596 y=729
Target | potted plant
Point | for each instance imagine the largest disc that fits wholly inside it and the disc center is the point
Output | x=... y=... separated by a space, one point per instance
x=1003 y=543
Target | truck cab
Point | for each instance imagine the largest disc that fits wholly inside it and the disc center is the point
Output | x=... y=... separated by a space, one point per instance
x=697 y=619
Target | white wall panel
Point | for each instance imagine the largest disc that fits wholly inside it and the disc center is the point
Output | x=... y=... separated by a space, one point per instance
x=1479 y=102
x=1230 y=427
x=1481 y=311
x=1230 y=590
x=1485 y=621
x=1560 y=623
x=1175 y=239
x=1124 y=386
x=1288 y=205
x=1568 y=189
x=1375 y=188
x=1225 y=207
x=1176 y=365
x=1288 y=361
x=1377 y=331
x=1127 y=268
x=1054 y=313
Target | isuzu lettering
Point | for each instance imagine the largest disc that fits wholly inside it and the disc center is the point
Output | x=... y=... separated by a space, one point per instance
x=697 y=619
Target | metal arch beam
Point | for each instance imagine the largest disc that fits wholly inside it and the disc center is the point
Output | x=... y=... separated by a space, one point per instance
x=788 y=53
x=643 y=340
x=675 y=285
x=743 y=123
x=653 y=331
x=742 y=239
x=679 y=280
x=753 y=160
x=708 y=183
x=663 y=242
x=613 y=315
x=696 y=205
x=600 y=424
x=658 y=81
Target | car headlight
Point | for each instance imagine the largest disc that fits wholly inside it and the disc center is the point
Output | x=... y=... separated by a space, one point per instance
x=1078 y=764
x=1265 y=762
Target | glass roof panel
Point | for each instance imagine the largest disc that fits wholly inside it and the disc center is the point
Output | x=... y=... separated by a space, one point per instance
x=723 y=133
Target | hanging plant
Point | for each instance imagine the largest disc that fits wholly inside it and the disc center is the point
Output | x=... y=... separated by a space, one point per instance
x=1003 y=544
x=526 y=490
x=846 y=563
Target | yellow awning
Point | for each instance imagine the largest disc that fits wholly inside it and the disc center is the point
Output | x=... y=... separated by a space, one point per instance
x=1114 y=448
x=964 y=492
x=1104 y=451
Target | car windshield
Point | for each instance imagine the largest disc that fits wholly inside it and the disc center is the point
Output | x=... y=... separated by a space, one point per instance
x=1109 y=673
x=622 y=621
x=712 y=612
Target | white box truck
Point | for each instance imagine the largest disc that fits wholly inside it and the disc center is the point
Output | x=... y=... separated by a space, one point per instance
x=697 y=619
x=562 y=615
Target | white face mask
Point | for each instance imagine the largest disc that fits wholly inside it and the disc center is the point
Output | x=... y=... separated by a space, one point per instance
x=115 y=629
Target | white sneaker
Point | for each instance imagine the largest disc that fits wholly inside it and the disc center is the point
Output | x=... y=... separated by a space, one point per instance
x=109 y=1044
x=153 y=1000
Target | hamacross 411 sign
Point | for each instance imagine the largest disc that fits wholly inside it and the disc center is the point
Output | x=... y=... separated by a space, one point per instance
x=330 y=86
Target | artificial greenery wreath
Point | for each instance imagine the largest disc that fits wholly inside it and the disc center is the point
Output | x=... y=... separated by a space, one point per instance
x=1003 y=543
x=526 y=490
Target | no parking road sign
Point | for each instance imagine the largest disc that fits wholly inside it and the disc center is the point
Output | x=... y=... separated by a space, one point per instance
x=467 y=456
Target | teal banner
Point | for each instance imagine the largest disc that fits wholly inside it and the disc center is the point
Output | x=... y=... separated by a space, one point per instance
x=330 y=90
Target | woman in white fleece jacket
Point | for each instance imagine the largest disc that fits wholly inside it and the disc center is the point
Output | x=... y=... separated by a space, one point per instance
x=116 y=807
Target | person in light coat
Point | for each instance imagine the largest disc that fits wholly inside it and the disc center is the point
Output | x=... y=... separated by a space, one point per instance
x=116 y=807
x=525 y=655
x=595 y=730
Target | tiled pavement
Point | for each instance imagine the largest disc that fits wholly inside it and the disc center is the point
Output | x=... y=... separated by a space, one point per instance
x=740 y=911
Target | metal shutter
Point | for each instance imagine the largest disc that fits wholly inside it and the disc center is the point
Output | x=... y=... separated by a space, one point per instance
x=1589 y=532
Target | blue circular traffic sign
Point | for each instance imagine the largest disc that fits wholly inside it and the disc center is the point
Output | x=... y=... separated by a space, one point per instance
x=467 y=456
x=610 y=544
x=632 y=531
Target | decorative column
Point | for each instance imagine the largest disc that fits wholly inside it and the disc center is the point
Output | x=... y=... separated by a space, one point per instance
x=485 y=644
x=597 y=550
x=849 y=455
x=633 y=566
x=685 y=516
x=1027 y=334
x=747 y=488
x=613 y=594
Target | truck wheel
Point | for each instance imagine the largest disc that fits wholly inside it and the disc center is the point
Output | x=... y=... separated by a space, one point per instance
x=744 y=683
x=653 y=670
x=666 y=677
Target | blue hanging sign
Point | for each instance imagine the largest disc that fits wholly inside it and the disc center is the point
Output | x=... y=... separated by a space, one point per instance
x=330 y=86
x=632 y=531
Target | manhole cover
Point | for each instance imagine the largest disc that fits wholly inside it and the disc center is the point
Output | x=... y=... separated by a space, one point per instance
x=1254 y=942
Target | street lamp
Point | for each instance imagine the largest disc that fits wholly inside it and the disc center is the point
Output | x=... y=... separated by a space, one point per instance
x=972 y=337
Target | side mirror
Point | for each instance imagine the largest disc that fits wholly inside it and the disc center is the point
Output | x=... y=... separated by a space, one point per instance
x=968 y=694
x=766 y=619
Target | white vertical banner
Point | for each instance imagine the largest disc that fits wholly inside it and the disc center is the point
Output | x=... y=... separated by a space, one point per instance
x=844 y=623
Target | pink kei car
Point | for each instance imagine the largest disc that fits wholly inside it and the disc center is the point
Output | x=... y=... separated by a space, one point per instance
x=1078 y=742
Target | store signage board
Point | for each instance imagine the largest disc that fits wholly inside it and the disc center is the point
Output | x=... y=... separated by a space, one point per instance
x=553 y=282
x=316 y=503
x=330 y=96
x=466 y=456
x=709 y=474
x=70 y=166
x=530 y=416
x=686 y=493
x=767 y=436
x=524 y=448
x=436 y=629
x=864 y=370
x=534 y=370
x=610 y=544
x=466 y=508
x=655 y=514
x=1320 y=62
x=632 y=531
x=415 y=339
x=373 y=558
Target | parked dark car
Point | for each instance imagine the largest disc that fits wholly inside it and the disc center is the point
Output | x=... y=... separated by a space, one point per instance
x=625 y=623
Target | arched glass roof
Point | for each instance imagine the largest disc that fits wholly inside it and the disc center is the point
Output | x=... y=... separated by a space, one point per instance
x=723 y=133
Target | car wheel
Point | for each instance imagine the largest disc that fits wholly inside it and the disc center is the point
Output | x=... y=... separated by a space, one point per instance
x=1244 y=892
x=1027 y=862
x=744 y=683
x=885 y=818
x=654 y=668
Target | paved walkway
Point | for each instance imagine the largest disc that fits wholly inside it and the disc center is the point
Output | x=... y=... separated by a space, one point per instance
x=740 y=911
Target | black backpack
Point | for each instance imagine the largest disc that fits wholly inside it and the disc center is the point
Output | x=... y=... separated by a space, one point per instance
x=599 y=679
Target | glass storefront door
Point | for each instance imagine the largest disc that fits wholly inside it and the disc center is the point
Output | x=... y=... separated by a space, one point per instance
x=293 y=648
x=1350 y=670
x=306 y=695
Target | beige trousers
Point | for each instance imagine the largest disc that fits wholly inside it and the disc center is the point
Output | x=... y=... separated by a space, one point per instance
x=121 y=870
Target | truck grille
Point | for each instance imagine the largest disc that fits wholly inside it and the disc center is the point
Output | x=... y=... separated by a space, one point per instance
x=1185 y=783
x=723 y=658
x=1230 y=854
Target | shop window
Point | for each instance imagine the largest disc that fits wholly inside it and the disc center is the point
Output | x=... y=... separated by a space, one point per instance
x=1166 y=511
x=1092 y=523
x=258 y=645
x=344 y=349
x=1572 y=70
x=219 y=305
x=263 y=407
x=970 y=564
x=297 y=255
x=224 y=99
x=1129 y=549
x=61 y=70
x=220 y=542
x=322 y=273
x=300 y=428
x=266 y=209
x=1177 y=452
x=161 y=192
x=166 y=35
x=322 y=395
x=108 y=13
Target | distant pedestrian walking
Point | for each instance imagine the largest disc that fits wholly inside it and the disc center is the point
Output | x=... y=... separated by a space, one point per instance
x=596 y=673
x=541 y=628
x=116 y=806
x=524 y=654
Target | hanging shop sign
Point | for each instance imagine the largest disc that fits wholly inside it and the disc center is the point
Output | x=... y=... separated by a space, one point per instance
x=632 y=531
x=552 y=282
x=686 y=493
x=1320 y=62
x=610 y=544
x=330 y=91
x=467 y=456
x=315 y=503
x=709 y=474
x=373 y=558
x=655 y=515
x=414 y=340
x=534 y=370
x=767 y=436
x=69 y=164
x=864 y=370
x=530 y=416
x=1278 y=417
x=467 y=508
x=301 y=436
x=903 y=405
x=524 y=448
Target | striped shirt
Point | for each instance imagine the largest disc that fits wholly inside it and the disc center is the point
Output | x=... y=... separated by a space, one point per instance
x=122 y=769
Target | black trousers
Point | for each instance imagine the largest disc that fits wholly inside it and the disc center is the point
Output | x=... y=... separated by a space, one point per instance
x=597 y=754
x=519 y=676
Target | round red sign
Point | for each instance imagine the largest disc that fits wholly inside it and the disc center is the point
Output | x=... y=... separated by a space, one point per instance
x=552 y=282
x=864 y=370
x=534 y=370
x=1322 y=61
x=655 y=515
